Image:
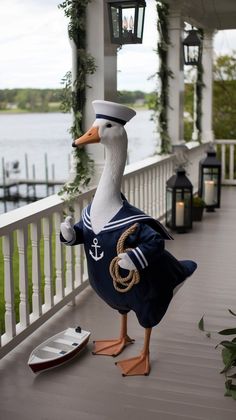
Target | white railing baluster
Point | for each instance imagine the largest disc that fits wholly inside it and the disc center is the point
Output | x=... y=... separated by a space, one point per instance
x=10 y=319
x=141 y=191
x=158 y=191
x=22 y=241
x=148 y=197
x=59 y=261
x=136 y=190
x=70 y=273
x=161 y=191
x=48 y=287
x=36 y=270
x=227 y=161
x=132 y=192
x=231 y=162
x=223 y=161
x=145 y=192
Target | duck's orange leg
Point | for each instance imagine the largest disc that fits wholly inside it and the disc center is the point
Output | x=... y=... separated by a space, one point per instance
x=114 y=347
x=139 y=365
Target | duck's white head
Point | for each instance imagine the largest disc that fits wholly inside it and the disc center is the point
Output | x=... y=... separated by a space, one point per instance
x=108 y=127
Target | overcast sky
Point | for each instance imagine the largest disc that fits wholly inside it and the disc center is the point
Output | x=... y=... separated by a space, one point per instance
x=35 y=52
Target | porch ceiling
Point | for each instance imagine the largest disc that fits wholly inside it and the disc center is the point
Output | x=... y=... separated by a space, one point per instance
x=209 y=14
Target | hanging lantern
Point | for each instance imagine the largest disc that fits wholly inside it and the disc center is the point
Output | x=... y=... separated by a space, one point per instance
x=179 y=198
x=192 y=46
x=210 y=180
x=126 y=20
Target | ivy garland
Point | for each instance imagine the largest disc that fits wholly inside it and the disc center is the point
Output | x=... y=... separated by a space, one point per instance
x=199 y=86
x=162 y=103
x=73 y=96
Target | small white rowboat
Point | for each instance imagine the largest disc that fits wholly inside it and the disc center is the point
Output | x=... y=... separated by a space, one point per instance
x=58 y=349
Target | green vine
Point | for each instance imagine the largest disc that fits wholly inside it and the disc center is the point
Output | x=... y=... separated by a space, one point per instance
x=199 y=86
x=73 y=96
x=162 y=102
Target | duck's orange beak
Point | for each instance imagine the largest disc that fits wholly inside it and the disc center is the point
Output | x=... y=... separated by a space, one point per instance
x=91 y=136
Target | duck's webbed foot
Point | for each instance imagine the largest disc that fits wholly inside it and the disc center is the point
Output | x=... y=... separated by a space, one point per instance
x=111 y=347
x=135 y=366
x=114 y=347
x=138 y=365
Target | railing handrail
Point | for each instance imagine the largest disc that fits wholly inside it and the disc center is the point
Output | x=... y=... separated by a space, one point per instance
x=225 y=141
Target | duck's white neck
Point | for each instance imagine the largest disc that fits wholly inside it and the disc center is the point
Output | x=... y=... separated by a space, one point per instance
x=107 y=200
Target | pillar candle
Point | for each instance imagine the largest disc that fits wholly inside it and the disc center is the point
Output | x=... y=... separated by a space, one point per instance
x=209 y=193
x=179 y=213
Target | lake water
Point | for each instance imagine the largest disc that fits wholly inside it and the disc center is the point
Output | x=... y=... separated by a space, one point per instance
x=37 y=134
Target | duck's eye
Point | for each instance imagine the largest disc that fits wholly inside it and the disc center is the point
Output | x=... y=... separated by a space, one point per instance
x=108 y=125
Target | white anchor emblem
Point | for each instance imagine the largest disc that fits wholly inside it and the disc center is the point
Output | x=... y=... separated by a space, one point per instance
x=95 y=256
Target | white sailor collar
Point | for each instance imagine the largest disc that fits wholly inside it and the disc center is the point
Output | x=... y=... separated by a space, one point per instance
x=127 y=215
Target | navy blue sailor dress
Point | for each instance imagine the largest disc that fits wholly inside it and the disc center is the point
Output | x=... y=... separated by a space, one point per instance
x=160 y=272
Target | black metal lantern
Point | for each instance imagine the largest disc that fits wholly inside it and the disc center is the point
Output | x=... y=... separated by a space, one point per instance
x=210 y=180
x=126 y=19
x=179 y=198
x=192 y=46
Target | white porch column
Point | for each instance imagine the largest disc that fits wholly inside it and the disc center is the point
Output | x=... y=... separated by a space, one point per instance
x=207 y=91
x=176 y=83
x=103 y=83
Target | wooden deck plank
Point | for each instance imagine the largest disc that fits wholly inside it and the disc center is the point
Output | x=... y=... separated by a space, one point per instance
x=184 y=383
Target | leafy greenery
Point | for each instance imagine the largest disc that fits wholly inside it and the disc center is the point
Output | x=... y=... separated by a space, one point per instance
x=30 y=100
x=224 y=98
x=74 y=93
x=199 y=88
x=228 y=354
x=198 y=201
x=161 y=102
x=132 y=97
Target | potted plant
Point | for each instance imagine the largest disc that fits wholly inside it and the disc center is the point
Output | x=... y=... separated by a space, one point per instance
x=198 y=207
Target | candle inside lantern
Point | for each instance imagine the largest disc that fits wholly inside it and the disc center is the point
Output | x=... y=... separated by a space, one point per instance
x=125 y=23
x=209 y=193
x=131 y=24
x=179 y=213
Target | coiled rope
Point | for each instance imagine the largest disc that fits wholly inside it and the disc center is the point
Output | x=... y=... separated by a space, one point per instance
x=123 y=284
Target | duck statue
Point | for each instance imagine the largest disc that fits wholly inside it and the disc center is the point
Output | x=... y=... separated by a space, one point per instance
x=128 y=265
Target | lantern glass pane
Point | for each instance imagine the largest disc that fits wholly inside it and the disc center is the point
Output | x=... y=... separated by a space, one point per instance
x=140 y=22
x=191 y=54
x=128 y=15
x=115 y=21
x=169 y=195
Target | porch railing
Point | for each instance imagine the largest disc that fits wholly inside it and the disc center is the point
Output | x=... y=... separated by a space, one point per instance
x=227 y=151
x=40 y=274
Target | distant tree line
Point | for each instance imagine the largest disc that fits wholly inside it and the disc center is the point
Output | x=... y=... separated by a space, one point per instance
x=47 y=100
x=136 y=97
x=31 y=100
x=224 y=99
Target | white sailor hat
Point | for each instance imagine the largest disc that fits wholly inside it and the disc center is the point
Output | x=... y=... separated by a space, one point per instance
x=113 y=111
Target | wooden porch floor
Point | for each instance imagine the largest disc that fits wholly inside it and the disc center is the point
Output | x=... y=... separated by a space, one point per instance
x=184 y=382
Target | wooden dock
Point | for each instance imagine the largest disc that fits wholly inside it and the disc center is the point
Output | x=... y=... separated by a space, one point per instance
x=14 y=187
x=12 y=191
